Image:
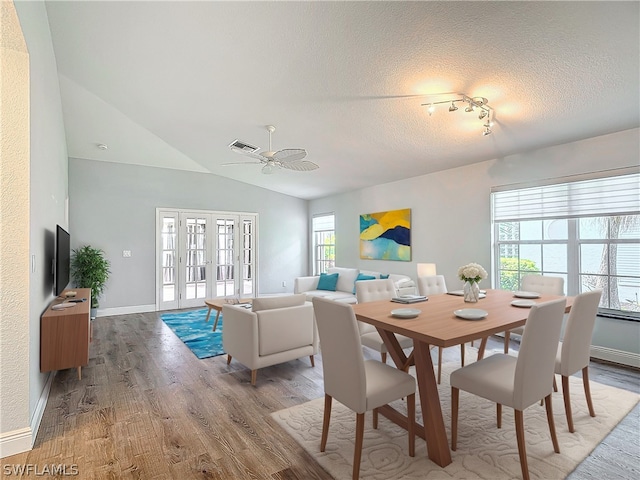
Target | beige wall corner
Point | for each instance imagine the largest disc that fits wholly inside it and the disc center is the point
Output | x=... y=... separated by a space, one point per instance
x=14 y=233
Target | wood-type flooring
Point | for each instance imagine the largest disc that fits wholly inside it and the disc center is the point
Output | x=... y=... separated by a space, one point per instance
x=147 y=408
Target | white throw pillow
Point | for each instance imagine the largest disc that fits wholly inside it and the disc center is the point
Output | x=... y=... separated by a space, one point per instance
x=346 y=278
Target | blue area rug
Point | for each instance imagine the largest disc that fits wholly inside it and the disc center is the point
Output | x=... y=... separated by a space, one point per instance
x=191 y=328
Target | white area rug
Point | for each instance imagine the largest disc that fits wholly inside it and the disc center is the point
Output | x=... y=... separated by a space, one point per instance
x=484 y=451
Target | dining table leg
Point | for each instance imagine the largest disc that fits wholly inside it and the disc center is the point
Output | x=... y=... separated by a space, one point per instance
x=435 y=433
x=483 y=346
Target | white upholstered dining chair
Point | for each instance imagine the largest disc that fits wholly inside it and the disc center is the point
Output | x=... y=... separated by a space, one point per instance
x=358 y=384
x=370 y=291
x=516 y=382
x=573 y=352
x=432 y=285
x=542 y=284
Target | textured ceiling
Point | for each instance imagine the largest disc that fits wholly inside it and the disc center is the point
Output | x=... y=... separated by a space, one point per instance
x=171 y=84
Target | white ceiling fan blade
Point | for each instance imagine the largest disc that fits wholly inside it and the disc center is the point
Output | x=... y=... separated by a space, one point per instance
x=300 y=166
x=290 y=155
x=240 y=163
x=257 y=156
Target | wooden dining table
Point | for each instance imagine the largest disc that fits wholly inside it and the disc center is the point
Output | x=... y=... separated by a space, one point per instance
x=437 y=325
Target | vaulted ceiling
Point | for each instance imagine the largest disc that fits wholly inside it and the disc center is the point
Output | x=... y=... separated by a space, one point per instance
x=172 y=84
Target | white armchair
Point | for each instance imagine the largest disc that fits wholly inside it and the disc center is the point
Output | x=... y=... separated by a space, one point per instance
x=275 y=330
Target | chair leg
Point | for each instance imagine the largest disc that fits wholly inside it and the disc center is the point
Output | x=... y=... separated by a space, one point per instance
x=507 y=339
x=522 y=449
x=567 y=402
x=325 y=421
x=411 y=428
x=499 y=414
x=462 y=354
x=552 y=425
x=587 y=390
x=439 y=364
x=357 y=454
x=313 y=362
x=455 y=396
x=228 y=359
x=555 y=384
x=383 y=355
x=375 y=418
x=254 y=374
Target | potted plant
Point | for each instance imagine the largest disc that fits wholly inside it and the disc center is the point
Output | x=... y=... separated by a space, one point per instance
x=90 y=269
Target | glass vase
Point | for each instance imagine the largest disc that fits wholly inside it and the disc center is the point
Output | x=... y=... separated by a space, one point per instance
x=471 y=292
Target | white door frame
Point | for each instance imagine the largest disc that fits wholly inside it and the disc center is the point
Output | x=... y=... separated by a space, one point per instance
x=211 y=253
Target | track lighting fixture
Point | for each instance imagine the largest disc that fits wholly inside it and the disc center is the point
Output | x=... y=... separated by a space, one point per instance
x=487 y=128
x=473 y=104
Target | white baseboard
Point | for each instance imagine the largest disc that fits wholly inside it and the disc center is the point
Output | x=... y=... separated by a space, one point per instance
x=629 y=359
x=41 y=405
x=106 y=312
x=22 y=440
x=17 y=441
x=616 y=356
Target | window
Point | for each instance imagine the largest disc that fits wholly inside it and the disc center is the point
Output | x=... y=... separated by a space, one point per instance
x=586 y=231
x=324 y=243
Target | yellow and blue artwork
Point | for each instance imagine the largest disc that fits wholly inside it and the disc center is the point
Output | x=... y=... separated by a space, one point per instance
x=386 y=235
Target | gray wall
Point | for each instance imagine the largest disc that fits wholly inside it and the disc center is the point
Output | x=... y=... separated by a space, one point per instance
x=451 y=217
x=113 y=207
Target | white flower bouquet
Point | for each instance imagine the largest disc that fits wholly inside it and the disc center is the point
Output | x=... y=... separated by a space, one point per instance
x=472 y=272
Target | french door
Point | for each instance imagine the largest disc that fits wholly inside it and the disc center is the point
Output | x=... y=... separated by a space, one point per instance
x=203 y=255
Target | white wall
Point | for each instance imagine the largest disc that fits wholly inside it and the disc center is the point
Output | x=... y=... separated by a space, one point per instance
x=113 y=207
x=41 y=206
x=451 y=218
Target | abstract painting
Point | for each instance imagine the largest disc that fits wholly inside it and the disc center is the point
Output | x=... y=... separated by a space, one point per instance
x=386 y=235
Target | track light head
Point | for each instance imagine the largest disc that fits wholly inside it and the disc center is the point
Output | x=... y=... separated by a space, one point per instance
x=477 y=104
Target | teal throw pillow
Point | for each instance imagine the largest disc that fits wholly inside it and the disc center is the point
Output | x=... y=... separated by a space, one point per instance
x=328 y=282
x=362 y=277
x=384 y=277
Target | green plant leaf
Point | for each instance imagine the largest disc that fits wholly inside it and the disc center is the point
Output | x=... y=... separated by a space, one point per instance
x=90 y=269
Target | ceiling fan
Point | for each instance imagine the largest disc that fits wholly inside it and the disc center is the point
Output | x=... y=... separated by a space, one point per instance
x=289 y=158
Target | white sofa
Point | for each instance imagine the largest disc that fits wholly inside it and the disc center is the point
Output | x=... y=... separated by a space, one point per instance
x=275 y=330
x=345 y=289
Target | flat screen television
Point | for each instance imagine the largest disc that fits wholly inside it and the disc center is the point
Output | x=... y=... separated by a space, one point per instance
x=62 y=260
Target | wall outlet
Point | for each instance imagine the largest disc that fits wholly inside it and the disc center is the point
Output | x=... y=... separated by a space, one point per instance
x=126 y=253
x=284 y=284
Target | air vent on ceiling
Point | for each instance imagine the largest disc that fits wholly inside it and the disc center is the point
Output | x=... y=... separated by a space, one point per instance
x=245 y=147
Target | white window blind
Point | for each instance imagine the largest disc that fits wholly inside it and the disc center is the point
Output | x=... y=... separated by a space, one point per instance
x=323 y=223
x=617 y=195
